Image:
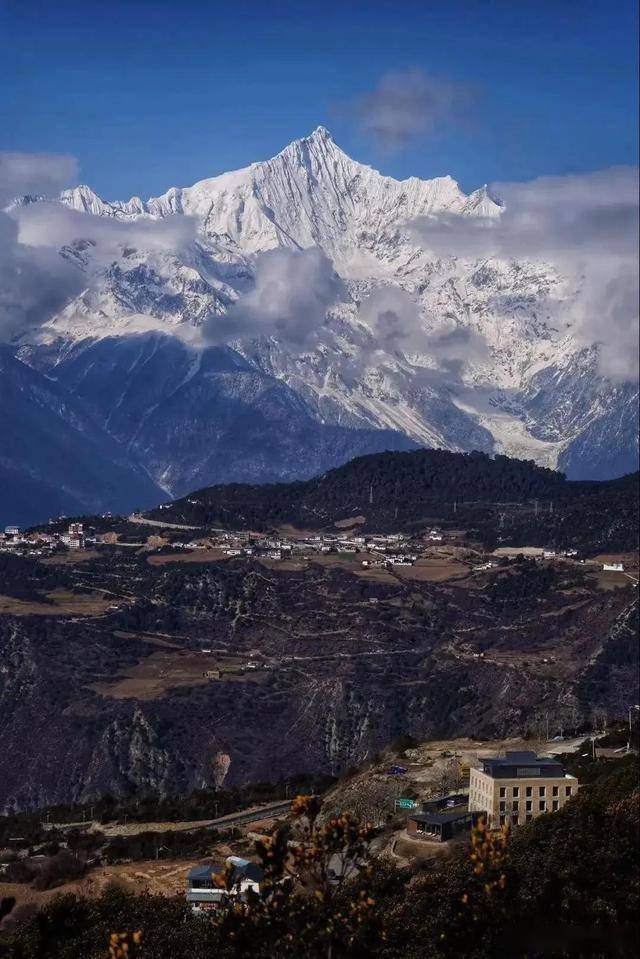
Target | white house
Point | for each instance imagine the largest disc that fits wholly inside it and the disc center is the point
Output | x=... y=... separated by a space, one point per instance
x=203 y=891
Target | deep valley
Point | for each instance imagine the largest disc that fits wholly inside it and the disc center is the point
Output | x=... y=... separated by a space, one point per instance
x=134 y=667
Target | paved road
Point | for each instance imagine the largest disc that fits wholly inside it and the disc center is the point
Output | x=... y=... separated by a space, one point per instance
x=253 y=815
x=242 y=817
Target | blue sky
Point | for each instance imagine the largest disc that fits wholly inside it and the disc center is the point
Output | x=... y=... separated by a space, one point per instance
x=149 y=95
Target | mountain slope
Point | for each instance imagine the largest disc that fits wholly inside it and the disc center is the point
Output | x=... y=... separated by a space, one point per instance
x=53 y=458
x=107 y=703
x=196 y=416
x=491 y=367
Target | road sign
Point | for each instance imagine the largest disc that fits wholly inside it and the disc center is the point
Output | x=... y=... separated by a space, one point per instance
x=406 y=803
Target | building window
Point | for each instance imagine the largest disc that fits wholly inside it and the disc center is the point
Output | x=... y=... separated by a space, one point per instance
x=529 y=816
x=529 y=805
x=516 y=792
x=502 y=818
x=515 y=806
x=529 y=790
x=568 y=790
x=503 y=792
x=542 y=805
x=556 y=790
x=542 y=790
x=555 y=805
x=503 y=806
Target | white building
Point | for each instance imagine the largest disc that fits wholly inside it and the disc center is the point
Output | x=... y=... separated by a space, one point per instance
x=519 y=787
x=207 y=887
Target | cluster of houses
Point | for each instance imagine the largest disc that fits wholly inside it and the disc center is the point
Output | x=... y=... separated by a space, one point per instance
x=377 y=550
x=393 y=549
x=39 y=543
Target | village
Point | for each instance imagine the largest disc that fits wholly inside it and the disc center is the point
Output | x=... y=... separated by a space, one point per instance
x=369 y=552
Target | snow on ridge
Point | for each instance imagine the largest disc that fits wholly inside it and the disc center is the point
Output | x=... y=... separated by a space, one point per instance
x=313 y=194
x=316 y=156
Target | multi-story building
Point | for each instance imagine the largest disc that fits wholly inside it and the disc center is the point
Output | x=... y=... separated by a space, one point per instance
x=74 y=539
x=518 y=787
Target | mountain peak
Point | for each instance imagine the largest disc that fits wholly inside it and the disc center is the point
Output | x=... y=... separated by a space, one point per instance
x=321 y=133
x=84 y=199
x=319 y=141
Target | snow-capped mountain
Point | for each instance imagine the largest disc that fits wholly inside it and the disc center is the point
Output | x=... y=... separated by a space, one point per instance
x=149 y=345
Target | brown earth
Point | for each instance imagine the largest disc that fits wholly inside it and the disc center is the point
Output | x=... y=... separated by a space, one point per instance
x=193 y=556
x=351 y=521
x=433 y=570
x=72 y=558
x=153 y=676
x=162 y=877
x=63 y=603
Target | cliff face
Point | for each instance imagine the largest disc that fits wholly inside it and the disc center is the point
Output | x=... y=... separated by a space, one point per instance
x=115 y=701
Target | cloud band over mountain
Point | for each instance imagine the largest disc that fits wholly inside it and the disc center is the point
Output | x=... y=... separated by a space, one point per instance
x=586 y=226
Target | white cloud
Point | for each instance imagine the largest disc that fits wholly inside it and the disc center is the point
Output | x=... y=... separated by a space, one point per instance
x=292 y=292
x=33 y=283
x=34 y=174
x=36 y=281
x=397 y=326
x=55 y=225
x=586 y=226
x=409 y=104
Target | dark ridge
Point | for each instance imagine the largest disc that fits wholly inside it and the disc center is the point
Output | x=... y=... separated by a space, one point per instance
x=497 y=497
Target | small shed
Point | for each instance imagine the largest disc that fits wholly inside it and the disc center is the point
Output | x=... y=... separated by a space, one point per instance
x=440 y=826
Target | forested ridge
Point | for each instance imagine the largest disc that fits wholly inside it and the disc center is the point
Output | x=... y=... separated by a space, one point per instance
x=404 y=490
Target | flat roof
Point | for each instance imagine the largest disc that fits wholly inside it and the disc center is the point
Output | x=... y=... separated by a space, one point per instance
x=202 y=872
x=439 y=818
x=524 y=764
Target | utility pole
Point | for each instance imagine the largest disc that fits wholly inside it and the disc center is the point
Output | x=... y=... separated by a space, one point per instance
x=630 y=728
